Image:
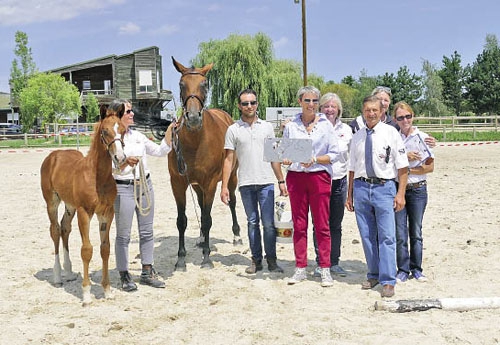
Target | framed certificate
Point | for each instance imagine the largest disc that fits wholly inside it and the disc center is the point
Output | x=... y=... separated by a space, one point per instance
x=296 y=150
x=415 y=143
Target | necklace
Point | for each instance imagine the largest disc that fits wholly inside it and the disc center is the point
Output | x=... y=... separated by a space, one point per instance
x=307 y=124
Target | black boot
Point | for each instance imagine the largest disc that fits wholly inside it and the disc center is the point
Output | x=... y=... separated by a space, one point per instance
x=255 y=266
x=149 y=277
x=272 y=266
x=127 y=282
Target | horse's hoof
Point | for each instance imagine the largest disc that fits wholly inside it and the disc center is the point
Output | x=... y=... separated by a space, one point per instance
x=86 y=304
x=57 y=285
x=237 y=242
x=109 y=294
x=207 y=265
x=179 y=268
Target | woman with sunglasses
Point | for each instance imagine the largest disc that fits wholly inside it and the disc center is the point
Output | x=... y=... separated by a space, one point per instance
x=137 y=147
x=409 y=219
x=309 y=183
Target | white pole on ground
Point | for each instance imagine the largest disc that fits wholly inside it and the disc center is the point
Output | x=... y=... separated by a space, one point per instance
x=455 y=304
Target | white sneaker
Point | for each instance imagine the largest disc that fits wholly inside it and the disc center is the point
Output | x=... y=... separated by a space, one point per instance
x=326 y=277
x=299 y=275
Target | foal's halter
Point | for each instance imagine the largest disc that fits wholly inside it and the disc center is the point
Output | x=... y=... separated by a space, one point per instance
x=108 y=145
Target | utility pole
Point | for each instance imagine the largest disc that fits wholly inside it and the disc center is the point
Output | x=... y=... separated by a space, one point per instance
x=304 y=41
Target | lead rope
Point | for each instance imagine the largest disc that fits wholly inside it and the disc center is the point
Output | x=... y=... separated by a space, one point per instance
x=141 y=189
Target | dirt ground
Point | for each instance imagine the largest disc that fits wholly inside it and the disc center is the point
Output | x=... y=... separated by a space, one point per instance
x=225 y=305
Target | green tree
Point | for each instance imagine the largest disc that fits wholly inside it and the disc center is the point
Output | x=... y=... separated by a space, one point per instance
x=316 y=80
x=407 y=87
x=491 y=42
x=452 y=75
x=92 y=107
x=348 y=95
x=48 y=96
x=282 y=82
x=432 y=101
x=348 y=80
x=364 y=85
x=23 y=67
x=483 y=82
x=244 y=61
x=239 y=62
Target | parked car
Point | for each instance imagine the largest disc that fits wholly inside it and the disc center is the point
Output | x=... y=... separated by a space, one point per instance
x=9 y=129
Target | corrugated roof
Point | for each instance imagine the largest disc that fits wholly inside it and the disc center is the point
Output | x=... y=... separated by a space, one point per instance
x=103 y=58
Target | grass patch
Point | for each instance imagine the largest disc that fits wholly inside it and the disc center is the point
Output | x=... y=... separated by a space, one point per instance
x=46 y=142
x=466 y=136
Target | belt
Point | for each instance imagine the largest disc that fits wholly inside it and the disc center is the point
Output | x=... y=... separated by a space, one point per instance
x=128 y=182
x=373 y=180
x=416 y=185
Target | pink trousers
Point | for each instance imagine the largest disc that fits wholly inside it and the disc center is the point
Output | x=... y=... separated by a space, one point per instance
x=310 y=191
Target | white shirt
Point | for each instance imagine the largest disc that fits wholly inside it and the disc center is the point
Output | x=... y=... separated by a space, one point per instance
x=137 y=144
x=344 y=136
x=324 y=142
x=385 y=138
x=248 y=143
x=409 y=144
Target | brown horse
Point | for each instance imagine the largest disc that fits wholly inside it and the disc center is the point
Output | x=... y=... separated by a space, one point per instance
x=197 y=159
x=86 y=186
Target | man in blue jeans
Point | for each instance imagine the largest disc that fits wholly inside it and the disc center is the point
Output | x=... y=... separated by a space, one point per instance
x=244 y=146
x=377 y=157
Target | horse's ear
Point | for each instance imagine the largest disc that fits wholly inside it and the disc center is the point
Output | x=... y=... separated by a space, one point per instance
x=178 y=66
x=103 y=111
x=207 y=68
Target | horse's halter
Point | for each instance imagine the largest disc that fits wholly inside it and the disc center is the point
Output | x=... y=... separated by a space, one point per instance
x=117 y=137
x=188 y=97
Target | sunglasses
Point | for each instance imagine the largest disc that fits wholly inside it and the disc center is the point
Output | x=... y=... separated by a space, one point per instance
x=402 y=117
x=129 y=111
x=246 y=104
x=308 y=100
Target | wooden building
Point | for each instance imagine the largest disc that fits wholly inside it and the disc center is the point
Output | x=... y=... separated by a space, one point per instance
x=136 y=76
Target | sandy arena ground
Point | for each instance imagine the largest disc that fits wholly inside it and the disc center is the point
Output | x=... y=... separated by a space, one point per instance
x=225 y=305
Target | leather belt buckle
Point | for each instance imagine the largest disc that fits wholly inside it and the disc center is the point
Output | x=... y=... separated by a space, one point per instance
x=373 y=180
x=416 y=184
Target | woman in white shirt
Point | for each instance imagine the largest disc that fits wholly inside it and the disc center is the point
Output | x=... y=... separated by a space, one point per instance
x=137 y=147
x=409 y=219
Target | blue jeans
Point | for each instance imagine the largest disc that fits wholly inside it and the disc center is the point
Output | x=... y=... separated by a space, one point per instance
x=409 y=224
x=253 y=197
x=373 y=206
x=337 y=206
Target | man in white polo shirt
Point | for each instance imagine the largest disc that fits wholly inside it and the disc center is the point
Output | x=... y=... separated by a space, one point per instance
x=245 y=142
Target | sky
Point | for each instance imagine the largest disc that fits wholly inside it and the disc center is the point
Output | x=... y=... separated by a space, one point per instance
x=343 y=37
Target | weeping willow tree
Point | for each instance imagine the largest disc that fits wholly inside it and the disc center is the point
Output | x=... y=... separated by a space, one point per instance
x=283 y=82
x=245 y=61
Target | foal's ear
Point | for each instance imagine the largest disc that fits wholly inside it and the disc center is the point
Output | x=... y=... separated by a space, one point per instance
x=121 y=110
x=103 y=111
